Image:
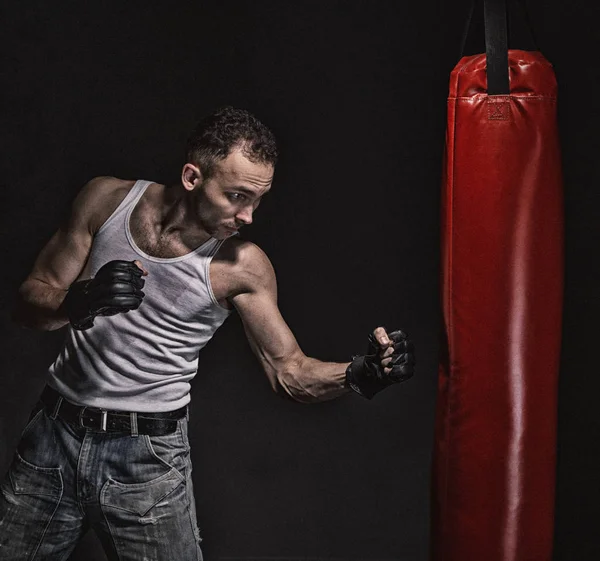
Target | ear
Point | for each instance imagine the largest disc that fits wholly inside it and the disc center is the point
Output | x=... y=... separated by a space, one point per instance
x=191 y=177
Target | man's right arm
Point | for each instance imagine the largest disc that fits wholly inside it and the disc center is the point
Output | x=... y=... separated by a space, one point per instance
x=59 y=264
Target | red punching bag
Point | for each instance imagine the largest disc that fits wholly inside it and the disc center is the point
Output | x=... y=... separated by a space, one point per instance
x=502 y=279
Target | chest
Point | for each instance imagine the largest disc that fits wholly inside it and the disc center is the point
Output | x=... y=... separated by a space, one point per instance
x=167 y=246
x=164 y=245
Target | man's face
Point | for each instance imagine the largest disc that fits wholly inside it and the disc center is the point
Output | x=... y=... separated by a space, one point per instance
x=227 y=200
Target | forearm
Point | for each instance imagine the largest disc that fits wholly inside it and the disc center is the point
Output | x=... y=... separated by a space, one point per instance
x=40 y=306
x=309 y=380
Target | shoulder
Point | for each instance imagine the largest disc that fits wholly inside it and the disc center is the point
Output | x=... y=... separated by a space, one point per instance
x=101 y=190
x=247 y=265
x=98 y=199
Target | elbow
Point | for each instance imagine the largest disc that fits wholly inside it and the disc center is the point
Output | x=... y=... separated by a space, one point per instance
x=24 y=314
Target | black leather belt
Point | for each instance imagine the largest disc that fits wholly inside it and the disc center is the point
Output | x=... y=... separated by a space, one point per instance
x=153 y=424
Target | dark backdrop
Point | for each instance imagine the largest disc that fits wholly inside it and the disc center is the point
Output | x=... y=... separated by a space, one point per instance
x=356 y=92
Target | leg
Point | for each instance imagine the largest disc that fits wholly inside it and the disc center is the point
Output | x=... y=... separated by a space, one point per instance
x=39 y=517
x=146 y=502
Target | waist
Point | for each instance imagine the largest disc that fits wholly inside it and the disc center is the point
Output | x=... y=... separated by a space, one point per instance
x=106 y=420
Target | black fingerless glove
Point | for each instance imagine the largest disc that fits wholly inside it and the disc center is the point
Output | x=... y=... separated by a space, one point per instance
x=116 y=288
x=366 y=375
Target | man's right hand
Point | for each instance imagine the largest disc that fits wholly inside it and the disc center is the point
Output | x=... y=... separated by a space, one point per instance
x=116 y=288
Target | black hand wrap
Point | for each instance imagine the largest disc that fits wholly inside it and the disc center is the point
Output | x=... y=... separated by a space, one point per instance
x=116 y=288
x=366 y=376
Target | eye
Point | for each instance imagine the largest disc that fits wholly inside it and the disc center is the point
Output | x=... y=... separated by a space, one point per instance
x=236 y=196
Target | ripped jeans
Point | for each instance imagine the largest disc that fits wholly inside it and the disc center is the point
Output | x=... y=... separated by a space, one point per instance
x=135 y=492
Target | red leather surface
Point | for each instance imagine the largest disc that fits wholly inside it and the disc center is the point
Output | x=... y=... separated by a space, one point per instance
x=502 y=279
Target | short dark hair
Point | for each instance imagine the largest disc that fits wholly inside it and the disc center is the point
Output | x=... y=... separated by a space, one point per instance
x=217 y=134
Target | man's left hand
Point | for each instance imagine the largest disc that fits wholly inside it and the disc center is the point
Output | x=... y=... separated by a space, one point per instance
x=389 y=360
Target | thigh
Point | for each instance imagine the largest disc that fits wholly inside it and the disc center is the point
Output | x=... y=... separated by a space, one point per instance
x=37 y=521
x=148 y=508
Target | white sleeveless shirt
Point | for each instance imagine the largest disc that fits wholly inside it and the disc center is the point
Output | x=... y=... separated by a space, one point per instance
x=142 y=360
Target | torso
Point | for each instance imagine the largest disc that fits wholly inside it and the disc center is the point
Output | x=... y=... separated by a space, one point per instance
x=142 y=226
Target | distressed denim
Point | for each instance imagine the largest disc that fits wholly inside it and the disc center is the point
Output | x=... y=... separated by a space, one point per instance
x=135 y=492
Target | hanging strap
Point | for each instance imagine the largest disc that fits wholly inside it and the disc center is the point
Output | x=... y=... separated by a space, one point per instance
x=496 y=46
x=496 y=25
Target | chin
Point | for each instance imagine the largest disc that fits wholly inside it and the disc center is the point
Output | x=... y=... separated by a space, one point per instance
x=223 y=233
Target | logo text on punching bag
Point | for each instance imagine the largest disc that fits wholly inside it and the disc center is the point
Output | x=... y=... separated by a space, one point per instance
x=498 y=108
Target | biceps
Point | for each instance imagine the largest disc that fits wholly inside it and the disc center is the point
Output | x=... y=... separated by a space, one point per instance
x=62 y=259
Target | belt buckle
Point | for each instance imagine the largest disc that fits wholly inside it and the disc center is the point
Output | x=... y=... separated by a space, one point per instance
x=103 y=419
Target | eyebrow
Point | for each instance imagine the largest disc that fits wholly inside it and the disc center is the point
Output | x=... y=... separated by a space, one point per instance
x=244 y=190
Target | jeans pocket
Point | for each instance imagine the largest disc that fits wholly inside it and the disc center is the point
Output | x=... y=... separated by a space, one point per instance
x=170 y=450
x=29 y=498
x=151 y=520
x=139 y=498
x=38 y=446
x=29 y=479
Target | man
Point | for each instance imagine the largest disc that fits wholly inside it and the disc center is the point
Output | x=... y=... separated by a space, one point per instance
x=107 y=445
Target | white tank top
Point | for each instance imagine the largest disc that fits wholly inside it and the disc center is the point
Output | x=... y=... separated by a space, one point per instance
x=142 y=360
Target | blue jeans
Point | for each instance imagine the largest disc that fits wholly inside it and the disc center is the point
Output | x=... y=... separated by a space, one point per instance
x=135 y=492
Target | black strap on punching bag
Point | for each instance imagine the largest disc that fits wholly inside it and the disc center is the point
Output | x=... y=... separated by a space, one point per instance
x=496 y=46
x=496 y=25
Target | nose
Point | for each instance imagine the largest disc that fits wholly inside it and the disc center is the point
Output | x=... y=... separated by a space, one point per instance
x=245 y=215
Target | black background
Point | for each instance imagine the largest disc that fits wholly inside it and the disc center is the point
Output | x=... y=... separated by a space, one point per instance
x=356 y=93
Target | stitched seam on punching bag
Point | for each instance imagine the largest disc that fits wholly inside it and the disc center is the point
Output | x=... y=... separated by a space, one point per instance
x=450 y=311
x=450 y=410
x=516 y=96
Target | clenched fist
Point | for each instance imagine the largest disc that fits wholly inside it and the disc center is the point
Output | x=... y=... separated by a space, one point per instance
x=116 y=288
x=389 y=360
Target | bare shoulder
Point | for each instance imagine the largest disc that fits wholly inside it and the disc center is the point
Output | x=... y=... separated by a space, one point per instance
x=246 y=265
x=98 y=199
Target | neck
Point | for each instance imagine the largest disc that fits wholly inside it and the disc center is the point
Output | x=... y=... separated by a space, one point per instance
x=176 y=213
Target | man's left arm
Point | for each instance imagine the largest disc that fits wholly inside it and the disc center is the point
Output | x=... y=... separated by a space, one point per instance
x=288 y=369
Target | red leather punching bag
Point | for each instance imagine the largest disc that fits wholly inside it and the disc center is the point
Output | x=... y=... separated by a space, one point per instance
x=502 y=279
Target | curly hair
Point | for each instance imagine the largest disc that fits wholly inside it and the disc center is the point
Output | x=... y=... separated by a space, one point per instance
x=217 y=134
